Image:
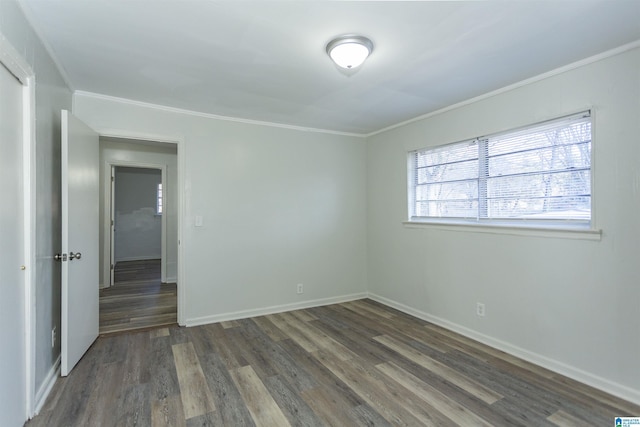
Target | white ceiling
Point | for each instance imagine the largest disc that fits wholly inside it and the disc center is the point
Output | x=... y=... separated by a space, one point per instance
x=266 y=61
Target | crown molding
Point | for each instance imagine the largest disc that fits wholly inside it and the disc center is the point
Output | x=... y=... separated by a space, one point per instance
x=557 y=71
x=209 y=115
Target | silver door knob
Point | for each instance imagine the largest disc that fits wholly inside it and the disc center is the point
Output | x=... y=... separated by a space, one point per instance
x=60 y=257
x=73 y=256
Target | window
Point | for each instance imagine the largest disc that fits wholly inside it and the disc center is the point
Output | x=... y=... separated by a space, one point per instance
x=538 y=174
x=159 y=200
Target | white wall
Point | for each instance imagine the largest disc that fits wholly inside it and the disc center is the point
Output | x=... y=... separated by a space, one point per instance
x=138 y=227
x=127 y=152
x=52 y=95
x=279 y=207
x=570 y=304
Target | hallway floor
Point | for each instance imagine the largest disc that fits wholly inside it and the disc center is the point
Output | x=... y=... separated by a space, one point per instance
x=138 y=299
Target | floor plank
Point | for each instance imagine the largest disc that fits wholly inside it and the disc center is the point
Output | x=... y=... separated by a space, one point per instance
x=167 y=412
x=194 y=391
x=264 y=410
x=563 y=419
x=442 y=404
x=440 y=369
x=381 y=395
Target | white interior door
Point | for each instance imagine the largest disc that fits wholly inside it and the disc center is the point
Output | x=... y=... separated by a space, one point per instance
x=80 y=276
x=13 y=410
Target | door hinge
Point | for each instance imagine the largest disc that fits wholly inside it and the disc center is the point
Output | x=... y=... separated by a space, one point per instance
x=112 y=266
x=112 y=179
x=112 y=223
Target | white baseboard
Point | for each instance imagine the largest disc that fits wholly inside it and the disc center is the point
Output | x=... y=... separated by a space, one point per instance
x=138 y=258
x=584 y=377
x=273 y=309
x=45 y=388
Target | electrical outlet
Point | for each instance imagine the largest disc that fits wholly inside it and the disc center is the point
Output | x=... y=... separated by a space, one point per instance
x=53 y=337
x=300 y=288
x=480 y=311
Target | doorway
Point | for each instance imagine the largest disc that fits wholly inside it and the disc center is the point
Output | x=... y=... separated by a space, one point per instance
x=138 y=234
x=137 y=224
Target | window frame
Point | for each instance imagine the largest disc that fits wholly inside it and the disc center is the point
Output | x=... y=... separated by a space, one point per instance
x=569 y=228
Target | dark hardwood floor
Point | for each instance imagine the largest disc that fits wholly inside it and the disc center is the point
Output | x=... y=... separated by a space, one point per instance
x=357 y=363
x=138 y=299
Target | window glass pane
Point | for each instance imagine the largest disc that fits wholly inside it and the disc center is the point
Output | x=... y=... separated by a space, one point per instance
x=159 y=200
x=446 y=181
x=542 y=172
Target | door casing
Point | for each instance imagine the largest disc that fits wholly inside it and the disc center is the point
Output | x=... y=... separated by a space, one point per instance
x=17 y=65
x=180 y=145
x=108 y=244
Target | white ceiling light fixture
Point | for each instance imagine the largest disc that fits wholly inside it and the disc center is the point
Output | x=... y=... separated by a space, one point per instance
x=349 y=51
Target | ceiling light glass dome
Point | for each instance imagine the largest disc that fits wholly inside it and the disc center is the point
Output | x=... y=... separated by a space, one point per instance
x=349 y=51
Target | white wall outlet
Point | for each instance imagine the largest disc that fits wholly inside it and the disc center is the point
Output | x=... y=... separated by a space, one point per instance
x=53 y=337
x=480 y=311
x=300 y=288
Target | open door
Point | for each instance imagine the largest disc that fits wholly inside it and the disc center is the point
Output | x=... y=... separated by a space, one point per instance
x=80 y=175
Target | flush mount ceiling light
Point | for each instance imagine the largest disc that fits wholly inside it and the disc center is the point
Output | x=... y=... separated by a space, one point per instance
x=349 y=51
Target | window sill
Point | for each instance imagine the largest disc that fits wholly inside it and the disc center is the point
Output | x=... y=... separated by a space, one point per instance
x=531 y=230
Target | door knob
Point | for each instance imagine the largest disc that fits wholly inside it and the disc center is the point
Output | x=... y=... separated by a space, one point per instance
x=73 y=256
x=60 y=257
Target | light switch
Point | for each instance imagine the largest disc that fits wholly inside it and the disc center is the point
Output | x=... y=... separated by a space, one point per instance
x=198 y=220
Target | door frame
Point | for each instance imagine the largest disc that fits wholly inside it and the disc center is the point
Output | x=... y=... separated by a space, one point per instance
x=17 y=65
x=180 y=160
x=109 y=168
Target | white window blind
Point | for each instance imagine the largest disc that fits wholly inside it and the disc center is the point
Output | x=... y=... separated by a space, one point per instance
x=538 y=173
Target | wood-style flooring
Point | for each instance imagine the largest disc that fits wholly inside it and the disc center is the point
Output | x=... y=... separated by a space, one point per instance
x=350 y=364
x=137 y=299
